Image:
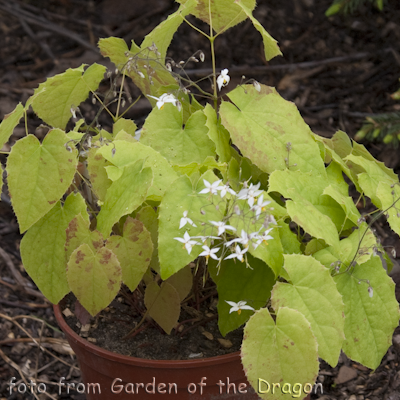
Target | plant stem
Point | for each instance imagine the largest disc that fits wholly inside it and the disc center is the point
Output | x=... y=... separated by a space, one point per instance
x=212 y=39
x=120 y=94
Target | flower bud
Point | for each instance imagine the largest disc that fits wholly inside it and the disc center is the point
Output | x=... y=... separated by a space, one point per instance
x=257 y=86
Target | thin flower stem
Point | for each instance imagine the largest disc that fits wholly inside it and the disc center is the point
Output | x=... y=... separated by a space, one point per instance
x=129 y=108
x=211 y=39
x=26 y=122
x=120 y=94
x=196 y=29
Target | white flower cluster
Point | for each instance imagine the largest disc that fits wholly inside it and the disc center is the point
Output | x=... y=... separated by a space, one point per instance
x=239 y=245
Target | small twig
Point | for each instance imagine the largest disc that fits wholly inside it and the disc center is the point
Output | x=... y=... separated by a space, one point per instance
x=25 y=306
x=49 y=340
x=45 y=24
x=30 y=336
x=259 y=70
x=34 y=37
x=17 y=275
x=17 y=368
x=134 y=332
x=202 y=322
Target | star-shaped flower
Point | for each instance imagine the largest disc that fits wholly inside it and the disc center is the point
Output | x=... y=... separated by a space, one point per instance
x=241 y=305
x=222 y=227
x=209 y=253
x=186 y=220
x=225 y=189
x=264 y=237
x=250 y=193
x=223 y=79
x=260 y=205
x=211 y=188
x=238 y=253
x=243 y=239
x=186 y=240
x=166 y=98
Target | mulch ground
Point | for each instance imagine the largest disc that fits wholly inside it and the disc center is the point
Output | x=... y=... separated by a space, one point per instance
x=336 y=70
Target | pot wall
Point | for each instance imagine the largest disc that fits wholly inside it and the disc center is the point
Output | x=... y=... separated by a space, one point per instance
x=121 y=378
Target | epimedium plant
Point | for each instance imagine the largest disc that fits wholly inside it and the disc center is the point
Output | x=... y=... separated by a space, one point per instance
x=237 y=182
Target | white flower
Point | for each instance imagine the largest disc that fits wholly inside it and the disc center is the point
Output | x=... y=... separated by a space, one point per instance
x=257 y=86
x=186 y=220
x=72 y=110
x=244 y=239
x=210 y=187
x=187 y=242
x=238 y=253
x=222 y=227
x=241 y=305
x=250 y=194
x=166 y=98
x=209 y=253
x=264 y=237
x=223 y=79
x=260 y=206
x=225 y=189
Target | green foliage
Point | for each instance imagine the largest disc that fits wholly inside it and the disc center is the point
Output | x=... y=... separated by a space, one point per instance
x=381 y=127
x=283 y=351
x=94 y=276
x=349 y=6
x=43 y=248
x=39 y=174
x=313 y=292
x=10 y=121
x=236 y=188
x=265 y=136
x=58 y=95
x=368 y=331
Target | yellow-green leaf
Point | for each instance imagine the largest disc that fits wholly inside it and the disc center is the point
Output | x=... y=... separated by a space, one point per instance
x=133 y=249
x=10 y=121
x=39 y=175
x=94 y=277
x=42 y=248
x=58 y=94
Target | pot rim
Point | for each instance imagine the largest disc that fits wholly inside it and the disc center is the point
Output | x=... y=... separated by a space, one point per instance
x=195 y=363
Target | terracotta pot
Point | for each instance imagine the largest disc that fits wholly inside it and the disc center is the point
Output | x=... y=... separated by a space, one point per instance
x=120 y=377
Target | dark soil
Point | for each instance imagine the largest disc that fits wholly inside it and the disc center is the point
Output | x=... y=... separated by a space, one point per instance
x=196 y=336
x=336 y=70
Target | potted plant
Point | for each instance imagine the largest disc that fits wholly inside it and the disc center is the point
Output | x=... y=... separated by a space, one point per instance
x=236 y=185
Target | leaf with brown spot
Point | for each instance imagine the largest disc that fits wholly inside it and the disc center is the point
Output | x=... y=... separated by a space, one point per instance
x=148 y=216
x=133 y=249
x=94 y=277
x=42 y=248
x=78 y=233
x=97 y=172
